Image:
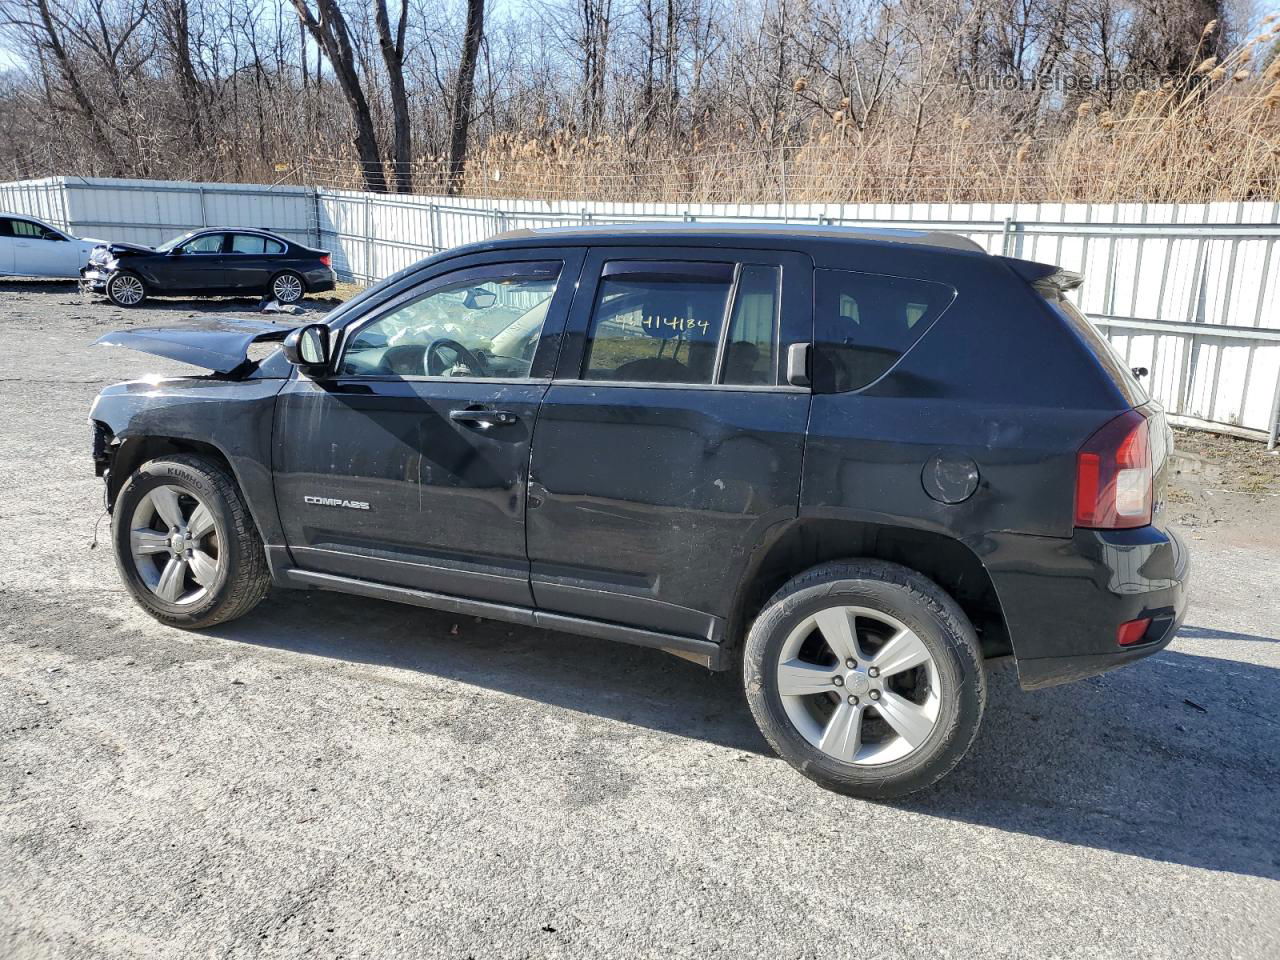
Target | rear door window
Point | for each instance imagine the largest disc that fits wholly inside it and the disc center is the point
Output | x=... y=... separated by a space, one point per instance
x=694 y=322
x=864 y=323
x=750 y=357
x=253 y=243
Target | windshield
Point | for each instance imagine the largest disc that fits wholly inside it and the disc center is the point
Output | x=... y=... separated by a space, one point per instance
x=170 y=244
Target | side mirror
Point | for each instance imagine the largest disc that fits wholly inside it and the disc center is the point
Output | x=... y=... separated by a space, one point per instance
x=1139 y=372
x=307 y=348
x=175 y=252
x=478 y=298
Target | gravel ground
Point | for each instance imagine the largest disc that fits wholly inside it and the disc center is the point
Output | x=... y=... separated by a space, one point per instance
x=339 y=777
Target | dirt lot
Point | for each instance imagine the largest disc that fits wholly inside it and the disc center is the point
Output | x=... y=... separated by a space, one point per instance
x=343 y=778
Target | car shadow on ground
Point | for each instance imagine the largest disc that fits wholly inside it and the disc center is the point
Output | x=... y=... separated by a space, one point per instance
x=1174 y=758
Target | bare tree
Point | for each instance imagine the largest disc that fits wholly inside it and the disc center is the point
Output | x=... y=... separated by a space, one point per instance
x=392 y=47
x=328 y=27
x=464 y=92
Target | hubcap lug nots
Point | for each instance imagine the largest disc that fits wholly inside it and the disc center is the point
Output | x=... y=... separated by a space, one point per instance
x=838 y=681
x=853 y=701
x=875 y=694
x=873 y=672
x=851 y=664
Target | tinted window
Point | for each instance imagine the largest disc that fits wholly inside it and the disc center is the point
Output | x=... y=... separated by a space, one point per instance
x=253 y=243
x=208 y=243
x=469 y=324
x=750 y=352
x=863 y=323
x=658 y=323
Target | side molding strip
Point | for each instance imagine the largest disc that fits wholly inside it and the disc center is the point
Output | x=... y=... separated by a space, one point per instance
x=704 y=652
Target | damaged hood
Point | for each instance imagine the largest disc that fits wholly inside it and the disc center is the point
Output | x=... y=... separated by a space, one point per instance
x=121 y=247
x=220 y=345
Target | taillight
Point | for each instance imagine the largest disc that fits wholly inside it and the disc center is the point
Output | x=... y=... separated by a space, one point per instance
x=324 y=259
x=1113 y=475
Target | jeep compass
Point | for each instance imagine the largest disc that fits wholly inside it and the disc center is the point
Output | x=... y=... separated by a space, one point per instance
x=855 y=465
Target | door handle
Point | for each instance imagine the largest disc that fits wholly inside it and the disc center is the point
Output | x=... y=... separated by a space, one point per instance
x=484 y=419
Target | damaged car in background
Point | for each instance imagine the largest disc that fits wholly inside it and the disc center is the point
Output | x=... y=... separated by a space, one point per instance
x=221 y=262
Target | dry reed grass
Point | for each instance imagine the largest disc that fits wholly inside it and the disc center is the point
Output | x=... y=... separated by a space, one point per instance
x=1211 y=135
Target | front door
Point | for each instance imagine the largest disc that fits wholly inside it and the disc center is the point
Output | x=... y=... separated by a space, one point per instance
x=41 y=252
x=669 y=443
x=408 y=465
x=196 y=266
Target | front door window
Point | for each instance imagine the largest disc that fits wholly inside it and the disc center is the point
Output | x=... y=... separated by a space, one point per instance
x=483 y=322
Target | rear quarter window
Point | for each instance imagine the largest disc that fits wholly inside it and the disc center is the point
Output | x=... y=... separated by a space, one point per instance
x=864 y=323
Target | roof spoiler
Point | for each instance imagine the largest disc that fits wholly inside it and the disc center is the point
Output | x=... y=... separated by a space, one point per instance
x=1044 y=274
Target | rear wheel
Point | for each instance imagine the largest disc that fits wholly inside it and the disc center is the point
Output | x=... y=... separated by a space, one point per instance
x=866 y=677
x=287 y=287
x=126 y=289
x=185 y=544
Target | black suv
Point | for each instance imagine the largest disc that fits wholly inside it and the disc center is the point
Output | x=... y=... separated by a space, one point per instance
x=855 y=464
x=227 y=261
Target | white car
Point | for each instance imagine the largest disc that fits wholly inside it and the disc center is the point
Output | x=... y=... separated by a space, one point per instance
x=32 y=248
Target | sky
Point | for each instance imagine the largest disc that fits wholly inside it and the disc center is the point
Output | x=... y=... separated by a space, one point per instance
x=9 y=57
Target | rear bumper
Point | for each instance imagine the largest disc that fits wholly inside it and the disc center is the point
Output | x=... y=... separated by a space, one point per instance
x=1064 y=600
x=319 y=281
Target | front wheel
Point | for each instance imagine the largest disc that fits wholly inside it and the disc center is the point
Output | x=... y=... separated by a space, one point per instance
x=185 y=544
x=126 y=289
x=287 y=287
x=866 y=677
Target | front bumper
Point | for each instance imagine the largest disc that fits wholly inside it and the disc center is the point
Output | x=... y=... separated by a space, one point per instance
x=1064 y=600
x=93 y=280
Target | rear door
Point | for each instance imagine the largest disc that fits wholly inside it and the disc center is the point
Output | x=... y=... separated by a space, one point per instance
x=669 y=442
x=251 y=260
x=409 y=464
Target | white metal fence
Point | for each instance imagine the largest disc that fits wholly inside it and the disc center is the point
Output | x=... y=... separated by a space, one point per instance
x=1188 y=291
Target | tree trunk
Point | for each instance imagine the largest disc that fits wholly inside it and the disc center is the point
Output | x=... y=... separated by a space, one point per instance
x=393 y=57
x=463 y=90
x=330 y=31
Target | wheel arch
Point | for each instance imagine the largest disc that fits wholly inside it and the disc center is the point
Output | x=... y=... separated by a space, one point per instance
x=302 y=278
x=129 y=453
x=801 y=544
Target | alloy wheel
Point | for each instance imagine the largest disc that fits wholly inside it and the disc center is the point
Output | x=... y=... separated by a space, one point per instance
x=859 y=685
x=287 y=288
x=174 y=545
x=127 y=290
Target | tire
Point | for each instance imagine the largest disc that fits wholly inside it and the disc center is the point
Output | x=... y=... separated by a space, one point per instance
x=787 y=651
x=221 y=575
x=126 y=289
x=287 y=287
